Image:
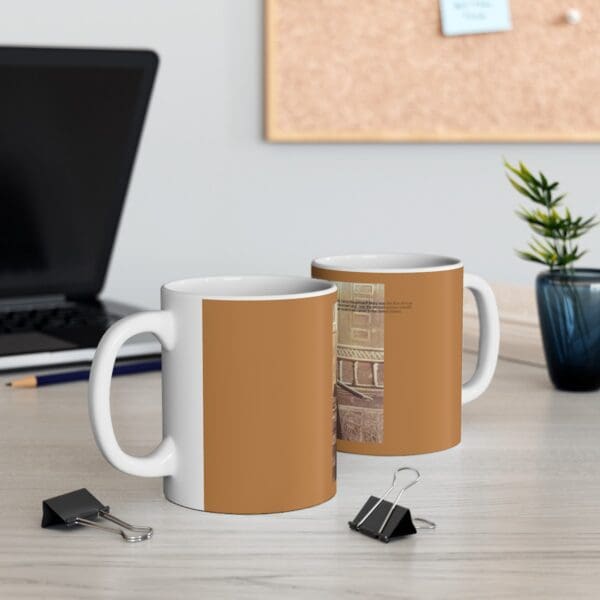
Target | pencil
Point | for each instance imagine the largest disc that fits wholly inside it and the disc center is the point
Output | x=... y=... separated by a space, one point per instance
x=34 y=381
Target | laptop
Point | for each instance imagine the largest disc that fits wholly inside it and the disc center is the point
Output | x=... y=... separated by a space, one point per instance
x=70 y=124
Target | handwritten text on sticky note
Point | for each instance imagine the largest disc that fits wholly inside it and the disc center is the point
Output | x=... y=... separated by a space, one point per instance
x=463 y=17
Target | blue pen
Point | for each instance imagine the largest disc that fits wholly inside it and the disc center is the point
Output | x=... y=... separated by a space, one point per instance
x=67 y=376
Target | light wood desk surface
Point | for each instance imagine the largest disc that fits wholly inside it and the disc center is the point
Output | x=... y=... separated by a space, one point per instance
x=517 y=506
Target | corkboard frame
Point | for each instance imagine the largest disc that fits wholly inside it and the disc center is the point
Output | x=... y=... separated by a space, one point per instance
x=274 y=133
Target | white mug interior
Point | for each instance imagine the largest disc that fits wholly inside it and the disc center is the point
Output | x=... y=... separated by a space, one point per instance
x=251 y=287
x=388 y=263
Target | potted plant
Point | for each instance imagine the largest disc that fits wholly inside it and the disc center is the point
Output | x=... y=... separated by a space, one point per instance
x=568 y=298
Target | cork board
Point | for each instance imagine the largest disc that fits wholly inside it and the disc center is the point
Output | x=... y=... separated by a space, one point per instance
x=381 y=70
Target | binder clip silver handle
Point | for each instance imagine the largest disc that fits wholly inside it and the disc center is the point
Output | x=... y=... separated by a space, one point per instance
x=427 y=524
x=138 y=534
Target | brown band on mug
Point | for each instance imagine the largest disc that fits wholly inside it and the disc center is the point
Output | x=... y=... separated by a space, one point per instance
x=419 y=391
x=269 y=428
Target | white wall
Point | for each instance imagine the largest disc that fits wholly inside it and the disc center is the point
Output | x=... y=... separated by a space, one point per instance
x=210 y=196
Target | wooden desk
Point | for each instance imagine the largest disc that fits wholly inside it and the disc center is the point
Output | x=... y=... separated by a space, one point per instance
x=517 y=507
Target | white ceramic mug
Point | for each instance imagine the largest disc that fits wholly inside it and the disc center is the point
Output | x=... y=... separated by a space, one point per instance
x=399 y=353
x=248 y=406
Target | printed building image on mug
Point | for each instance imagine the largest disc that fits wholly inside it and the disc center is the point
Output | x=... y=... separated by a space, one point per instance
x=334 y=411
x=359 y=386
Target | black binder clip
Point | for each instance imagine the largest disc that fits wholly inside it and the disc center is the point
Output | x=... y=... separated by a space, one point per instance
x=383 y=520
x=81 y=508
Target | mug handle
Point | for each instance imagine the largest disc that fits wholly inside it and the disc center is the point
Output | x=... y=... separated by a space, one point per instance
x=162 y=460
x=489 y=338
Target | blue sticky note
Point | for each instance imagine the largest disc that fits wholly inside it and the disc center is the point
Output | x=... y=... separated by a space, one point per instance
x=463 y=17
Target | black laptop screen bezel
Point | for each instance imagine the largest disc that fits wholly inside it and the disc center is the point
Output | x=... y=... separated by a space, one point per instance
x=145 y=60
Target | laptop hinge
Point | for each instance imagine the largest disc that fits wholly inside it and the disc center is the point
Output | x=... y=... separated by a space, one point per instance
x=81 y=297
x=24 y=302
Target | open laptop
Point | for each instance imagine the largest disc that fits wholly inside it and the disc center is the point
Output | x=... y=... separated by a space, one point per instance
x=70 y=123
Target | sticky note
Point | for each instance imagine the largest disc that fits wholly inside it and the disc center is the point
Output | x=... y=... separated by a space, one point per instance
x=464 y=17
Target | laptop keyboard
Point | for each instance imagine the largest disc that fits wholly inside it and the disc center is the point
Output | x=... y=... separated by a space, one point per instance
x=53 y=319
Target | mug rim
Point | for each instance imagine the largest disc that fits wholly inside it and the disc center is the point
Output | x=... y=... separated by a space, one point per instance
x=314 y=287
x=352 y=262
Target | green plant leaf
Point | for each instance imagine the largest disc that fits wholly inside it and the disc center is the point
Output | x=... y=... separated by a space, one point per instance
x=529 y=256
x=527 y=175
x=554 y=230
x=525 y=192
x=524 y=175
x=556 y=201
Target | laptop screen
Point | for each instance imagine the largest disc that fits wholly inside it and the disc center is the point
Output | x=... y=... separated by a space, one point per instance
x=70 y=121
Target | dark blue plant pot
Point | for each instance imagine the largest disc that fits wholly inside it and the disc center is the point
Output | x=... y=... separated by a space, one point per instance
x=569 y=310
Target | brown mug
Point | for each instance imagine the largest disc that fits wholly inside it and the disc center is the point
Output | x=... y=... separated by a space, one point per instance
x=399 y=350
x=248 y=406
